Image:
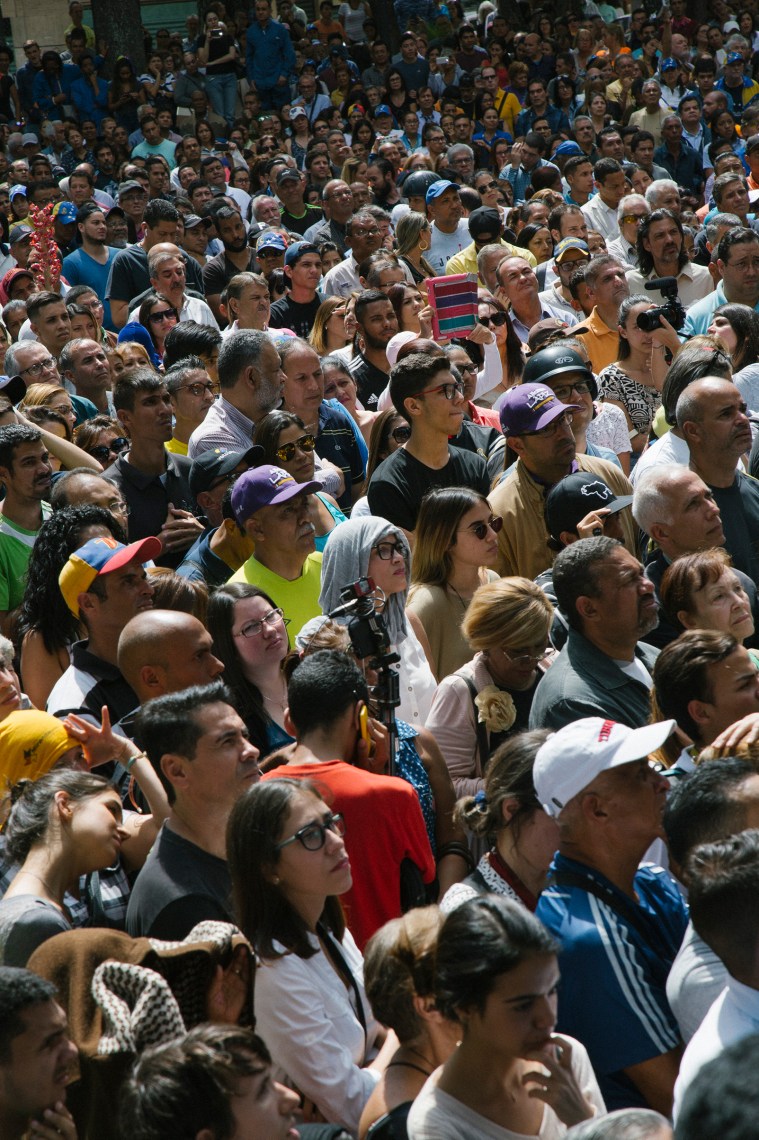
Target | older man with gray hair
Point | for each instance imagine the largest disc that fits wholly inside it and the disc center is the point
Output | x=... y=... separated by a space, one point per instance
x=460 y=159
x=168 y=277
x=630 y=213
x=664 y=194
x=624 y=1124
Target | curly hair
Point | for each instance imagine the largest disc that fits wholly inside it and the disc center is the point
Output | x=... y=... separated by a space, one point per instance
x=43 y=609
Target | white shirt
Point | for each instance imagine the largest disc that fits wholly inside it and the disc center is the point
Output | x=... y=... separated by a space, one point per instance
x=601 y=217
x=694 y=282
x=733 y=1016
x=305 y=1014
x=694 y=983
x=444 y=246
x=342 y=279
x=416 y=681
x=669 y=449
x=193 y=309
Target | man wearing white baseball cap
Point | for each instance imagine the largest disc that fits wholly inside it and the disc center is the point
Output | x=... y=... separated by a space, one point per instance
x=620 y=924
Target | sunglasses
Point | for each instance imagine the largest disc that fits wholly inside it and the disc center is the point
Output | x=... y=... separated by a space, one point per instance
x=495 y=319
x=401 y=434
x=480 y=529
x=163 y=315
x=488 y=186
x=285 y=453
x=115 y=447
x=630 y=219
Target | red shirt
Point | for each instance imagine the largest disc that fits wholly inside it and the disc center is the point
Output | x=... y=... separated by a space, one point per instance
x=383 y=826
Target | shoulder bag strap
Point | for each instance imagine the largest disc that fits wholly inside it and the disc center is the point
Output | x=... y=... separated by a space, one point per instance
x=483 y=741
x=334 y=951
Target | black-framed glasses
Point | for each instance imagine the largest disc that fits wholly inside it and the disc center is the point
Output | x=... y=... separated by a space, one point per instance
x=488 y=186
x=314 y=835
x=402 y=433
x=255 y=628
x=41 y=366
x=581 y=387
x=285 y=453
x=495 y=319
x=198 y=388
x=448 y=390
x=163 y=315
x=388 y=550
x=115 y=447
x=480 y=529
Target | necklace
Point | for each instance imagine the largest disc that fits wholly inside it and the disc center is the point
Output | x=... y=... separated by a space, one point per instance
x=277 y=704
x=464 y=605
x=39 y=879
x=410 y=1064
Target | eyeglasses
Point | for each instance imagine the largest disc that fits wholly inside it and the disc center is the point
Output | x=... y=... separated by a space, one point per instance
x=564 y=420
x=115 y=447
x=480 y=529
x=401 y=434
x=495 y=319
x=285 y=453
x=388 y=550
x=563 y=393
x=255 y=628
x=227 y=480
x=488 y=186
x=470 y=367
x=448 y=390
x=199 y=388
x=119 y=507
x=41 y=366
x=314 y=835
x=633 y=219
x=163 y=315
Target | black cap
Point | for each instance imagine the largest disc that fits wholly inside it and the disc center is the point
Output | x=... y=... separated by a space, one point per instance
x=212 y=465
x=485 y=220
x=574 y=497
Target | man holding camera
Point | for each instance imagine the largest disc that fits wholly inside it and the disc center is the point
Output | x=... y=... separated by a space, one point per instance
x=661 y=253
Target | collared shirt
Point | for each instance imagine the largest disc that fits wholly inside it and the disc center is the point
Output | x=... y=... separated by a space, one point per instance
x=520 y=179
x=466 y=260
x=342 y=279
x=623 y=251
x=601 y=342
x=601 y=217
x=622 y=963
x=549 y=309
x=148 y=497
x=694 y=282
x=87 y=685
x=225 y=426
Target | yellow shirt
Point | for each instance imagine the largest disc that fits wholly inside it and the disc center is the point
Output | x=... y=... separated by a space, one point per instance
x=298 y=599
x=176 y=447
x=601 y=342
x=466 y=260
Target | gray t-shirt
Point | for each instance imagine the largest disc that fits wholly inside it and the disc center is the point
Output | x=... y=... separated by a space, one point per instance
x=25 y=923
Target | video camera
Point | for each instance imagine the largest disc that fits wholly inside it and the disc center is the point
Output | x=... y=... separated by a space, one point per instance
x=369 y=638
x=671 y=310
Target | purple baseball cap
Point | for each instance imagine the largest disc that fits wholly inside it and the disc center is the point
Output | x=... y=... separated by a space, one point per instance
x=530 y=407
x=266 y=486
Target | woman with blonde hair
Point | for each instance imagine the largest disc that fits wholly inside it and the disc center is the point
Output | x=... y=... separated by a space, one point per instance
x=413 y=237
x=128 y=354
x=508 y=815
x=489 y=698
x=328 y=332
x=455 y=544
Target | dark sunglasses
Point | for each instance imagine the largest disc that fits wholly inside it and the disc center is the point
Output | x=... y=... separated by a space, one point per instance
x=495 y=319
x=488 y=186
x=285 y=453
x=163 y=315
x=115 y=447
x=480 y=529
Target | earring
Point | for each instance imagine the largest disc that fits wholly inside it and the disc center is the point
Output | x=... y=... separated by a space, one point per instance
x=275 y=880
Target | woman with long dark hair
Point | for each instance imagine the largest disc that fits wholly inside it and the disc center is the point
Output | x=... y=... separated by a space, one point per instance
x=250 y=636
x=158 y=316
x=288 y=865
x=125 y=95
x=737 y=327
x=497 y=975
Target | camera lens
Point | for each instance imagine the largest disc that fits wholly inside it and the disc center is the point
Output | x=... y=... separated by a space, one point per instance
x=650 y=320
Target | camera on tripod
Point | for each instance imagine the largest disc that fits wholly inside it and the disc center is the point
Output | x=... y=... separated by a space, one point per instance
x=671 y=310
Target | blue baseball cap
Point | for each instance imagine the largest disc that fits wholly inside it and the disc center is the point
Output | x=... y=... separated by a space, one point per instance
x=66 y=212
x=440 y=187
x=382 y=109
x=734 y=57
x=671 y=64
x=17 y=191
x=568 y=148
x=299 y=249
x=101 y=556
x=272 y=241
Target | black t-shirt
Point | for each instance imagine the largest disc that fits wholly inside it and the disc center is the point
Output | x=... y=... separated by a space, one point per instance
x=219 y=271
x=400 y=483
x=219 y=44
x=370 y=380
x=128 y=276
x=289 y=314
x=148 y=498
x=739 y=507
x=179 y=886
x=311 y=216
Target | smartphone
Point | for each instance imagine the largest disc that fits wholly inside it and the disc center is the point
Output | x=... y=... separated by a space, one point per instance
x=363 y=727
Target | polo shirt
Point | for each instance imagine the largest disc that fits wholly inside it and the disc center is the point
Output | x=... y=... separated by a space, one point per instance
x=466 y=260
x=612 y=993
x=15 y=551
x=342 y=279
x=601 y=342
x=336 y=442
x=148 y=498
x=548 y=310
x=87 y=685
x=298 y=599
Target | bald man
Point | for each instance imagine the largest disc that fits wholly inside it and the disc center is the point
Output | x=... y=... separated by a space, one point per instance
x=166 y=653
x=81 y=487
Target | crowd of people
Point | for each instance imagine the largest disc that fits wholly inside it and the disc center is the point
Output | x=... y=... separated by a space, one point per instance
x=379 y=707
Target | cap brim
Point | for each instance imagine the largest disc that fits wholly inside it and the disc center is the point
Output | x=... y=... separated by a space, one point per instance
x=146 y=549
x=619 y=504
x=290 y=492
x=552 y=414
x=643 y=741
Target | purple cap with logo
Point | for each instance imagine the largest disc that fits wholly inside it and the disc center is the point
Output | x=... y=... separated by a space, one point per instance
x=530 y=407
x=266 y=486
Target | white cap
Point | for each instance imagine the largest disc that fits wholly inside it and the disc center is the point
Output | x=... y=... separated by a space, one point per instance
x=396 y=343
x=572 y=757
